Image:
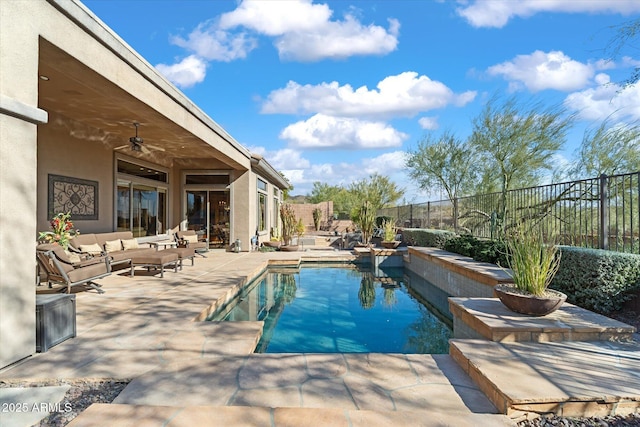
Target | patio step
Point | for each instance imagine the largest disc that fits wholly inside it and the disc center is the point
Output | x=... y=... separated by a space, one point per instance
x=98 y=415
x=567 y=378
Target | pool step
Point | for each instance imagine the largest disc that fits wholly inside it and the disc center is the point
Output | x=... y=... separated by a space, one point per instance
x=567 y=378
x=351 y=382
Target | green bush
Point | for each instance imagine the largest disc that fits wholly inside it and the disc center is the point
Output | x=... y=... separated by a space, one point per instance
x=595 y=279
x=483 y=250
x=426 y=237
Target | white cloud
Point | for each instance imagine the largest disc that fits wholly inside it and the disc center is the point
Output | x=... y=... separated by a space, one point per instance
x=304 y=31
x=607 y=101
x=405 y=94
x=327 y=132
x=186 y=73
x=213 y=44
x=275 y=18
x=339 y=40
x=497 y=13
x=429 y=123
x=541 y=70
x=386 y=164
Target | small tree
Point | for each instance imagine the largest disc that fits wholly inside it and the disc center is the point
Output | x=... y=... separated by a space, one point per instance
x=288 y=223
x=317 y=217
x=300 y=229
x=365 y=218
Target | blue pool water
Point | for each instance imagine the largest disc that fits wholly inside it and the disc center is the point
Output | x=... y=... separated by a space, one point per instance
x=339 y=310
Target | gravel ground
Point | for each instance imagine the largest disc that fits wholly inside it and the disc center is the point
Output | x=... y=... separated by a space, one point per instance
x=617 y=421
x=80 y=396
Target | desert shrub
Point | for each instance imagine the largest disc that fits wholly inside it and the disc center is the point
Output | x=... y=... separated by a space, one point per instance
x=426 y=237
x=596 y=279
x=484 y=250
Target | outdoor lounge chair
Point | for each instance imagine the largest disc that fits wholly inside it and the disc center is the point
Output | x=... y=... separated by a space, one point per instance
x=60 y=268
x=189 y=239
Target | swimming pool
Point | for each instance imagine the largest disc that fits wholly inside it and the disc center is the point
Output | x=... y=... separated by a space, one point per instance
x=338 y=310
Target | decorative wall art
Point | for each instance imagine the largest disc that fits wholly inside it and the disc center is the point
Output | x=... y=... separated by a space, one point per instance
x=74 y=195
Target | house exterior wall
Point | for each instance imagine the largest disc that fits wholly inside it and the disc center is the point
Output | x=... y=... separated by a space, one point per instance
x=33 y=146
x=60 y=153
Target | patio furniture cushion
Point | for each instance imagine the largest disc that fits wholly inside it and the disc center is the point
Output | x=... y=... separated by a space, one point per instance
x=183 y=253
x=113 y=245
x=129 y=244
x=191 y=238
x=93 y=249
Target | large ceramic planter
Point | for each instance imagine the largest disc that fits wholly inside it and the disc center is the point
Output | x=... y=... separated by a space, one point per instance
x=289 y=248
x=390 y=244
x=529 y=304
x=272 y=244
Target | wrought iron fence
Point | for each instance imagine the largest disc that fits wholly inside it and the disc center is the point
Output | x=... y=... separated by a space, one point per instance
x=601 y=212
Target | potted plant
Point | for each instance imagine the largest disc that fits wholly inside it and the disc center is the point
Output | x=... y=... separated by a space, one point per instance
x=365 y=218
x=289 y=225
x=389 y=234
x=533 y=265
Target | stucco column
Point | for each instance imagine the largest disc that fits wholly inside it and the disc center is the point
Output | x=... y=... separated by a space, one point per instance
x=19 y=117
x=244 y=210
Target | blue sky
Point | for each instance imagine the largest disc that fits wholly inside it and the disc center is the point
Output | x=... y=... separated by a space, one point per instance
x=334 y=91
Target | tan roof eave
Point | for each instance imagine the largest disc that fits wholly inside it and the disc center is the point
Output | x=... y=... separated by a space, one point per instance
x=84 y=18
x=262 y=167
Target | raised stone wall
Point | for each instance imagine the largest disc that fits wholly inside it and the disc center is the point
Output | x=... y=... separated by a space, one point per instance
x=457 y=275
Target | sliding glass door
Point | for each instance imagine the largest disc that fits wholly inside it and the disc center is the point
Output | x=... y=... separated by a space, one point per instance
x=208 y=214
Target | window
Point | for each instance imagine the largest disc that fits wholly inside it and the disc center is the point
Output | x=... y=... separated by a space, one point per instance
x=141 y=199
x=275 y=225
x=211 y=179
x=262 y=205
x=262 y=212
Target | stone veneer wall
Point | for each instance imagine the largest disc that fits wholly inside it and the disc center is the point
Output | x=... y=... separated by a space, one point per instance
x=457 y=275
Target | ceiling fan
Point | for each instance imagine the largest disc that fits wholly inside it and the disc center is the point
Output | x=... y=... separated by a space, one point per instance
x=136 y=143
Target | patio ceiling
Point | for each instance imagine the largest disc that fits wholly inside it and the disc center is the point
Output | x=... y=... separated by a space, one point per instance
x=101 y=112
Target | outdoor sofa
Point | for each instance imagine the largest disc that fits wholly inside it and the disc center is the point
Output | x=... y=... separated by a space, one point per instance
x=123 y=248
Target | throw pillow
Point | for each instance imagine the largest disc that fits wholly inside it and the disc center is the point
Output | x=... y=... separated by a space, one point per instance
x=113 y=245
x=73 y=257
x=191 y=238
x=130 y=244
x=93 y=249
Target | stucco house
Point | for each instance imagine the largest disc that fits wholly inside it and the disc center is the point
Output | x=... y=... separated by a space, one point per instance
x=70 y=93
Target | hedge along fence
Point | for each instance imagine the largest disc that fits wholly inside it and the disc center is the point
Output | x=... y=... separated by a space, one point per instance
x=427 y=237
x=596 y=279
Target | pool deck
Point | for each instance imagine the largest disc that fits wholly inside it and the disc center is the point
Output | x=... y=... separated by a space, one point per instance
x=184 y=372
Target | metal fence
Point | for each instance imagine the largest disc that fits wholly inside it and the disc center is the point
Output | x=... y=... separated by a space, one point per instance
x=601 y=212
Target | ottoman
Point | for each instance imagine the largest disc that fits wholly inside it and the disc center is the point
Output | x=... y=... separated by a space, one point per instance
x=183 y=253
x=156 y=259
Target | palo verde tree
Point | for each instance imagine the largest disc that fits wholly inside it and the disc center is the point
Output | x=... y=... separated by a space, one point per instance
x=608 y=149
x=377 y=189
x=444 y=162
x=627 y=36
x=516 y=143
x=322 y=192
